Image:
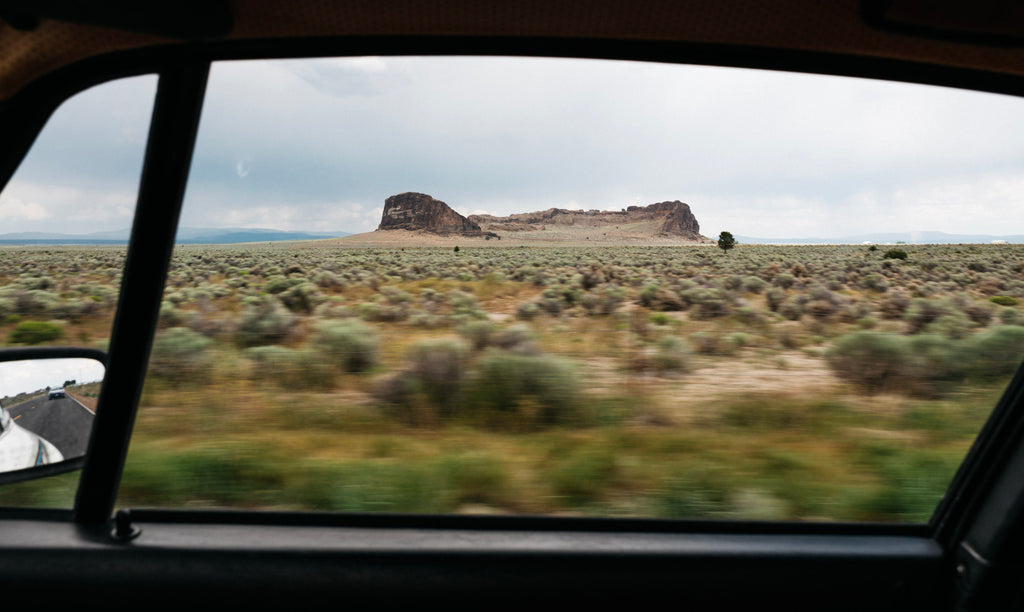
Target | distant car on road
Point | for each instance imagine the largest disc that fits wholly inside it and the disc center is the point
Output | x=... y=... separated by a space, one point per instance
x=57 y=394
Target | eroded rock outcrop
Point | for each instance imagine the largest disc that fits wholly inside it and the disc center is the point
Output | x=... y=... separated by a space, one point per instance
x=420 y=212
x=673 y=219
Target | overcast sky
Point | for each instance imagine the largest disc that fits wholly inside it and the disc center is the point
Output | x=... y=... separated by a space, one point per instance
x=318 y=145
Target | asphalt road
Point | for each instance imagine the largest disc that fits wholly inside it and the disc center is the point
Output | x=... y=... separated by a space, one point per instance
x=64 y=422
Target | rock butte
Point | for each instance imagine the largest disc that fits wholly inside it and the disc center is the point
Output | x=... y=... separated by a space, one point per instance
x=422 y=213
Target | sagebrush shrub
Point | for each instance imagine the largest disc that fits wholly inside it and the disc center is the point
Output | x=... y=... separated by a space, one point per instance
x=923 y=312
x=668 y=355
x=921 y=365
x=517 y=338
x=1004 y=300
x=264 y=321
x=874 y=282
x=477 y=332
x=349 y=345
x=997 y=352
x=288 y=367
x=180 y=354
x=438 y=366
x=871 y=360
x=954 y=325
x=656 y=297
x=708 y=303
x=933 y=361
x=523 y=392
x=35 y=332
x=894 y=305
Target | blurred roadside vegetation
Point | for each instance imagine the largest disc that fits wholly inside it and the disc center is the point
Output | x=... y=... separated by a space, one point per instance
x=798 y=383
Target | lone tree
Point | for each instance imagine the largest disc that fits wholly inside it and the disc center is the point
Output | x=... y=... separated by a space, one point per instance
x=726 y=241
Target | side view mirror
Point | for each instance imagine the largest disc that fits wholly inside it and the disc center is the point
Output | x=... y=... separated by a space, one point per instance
x=47 y=406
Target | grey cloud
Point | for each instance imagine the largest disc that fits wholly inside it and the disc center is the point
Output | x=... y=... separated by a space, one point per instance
x=512 y=134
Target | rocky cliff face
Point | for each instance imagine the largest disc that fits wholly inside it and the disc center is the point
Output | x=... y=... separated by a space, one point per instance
x=673 y=219
x=679 y=220
x=418 y=211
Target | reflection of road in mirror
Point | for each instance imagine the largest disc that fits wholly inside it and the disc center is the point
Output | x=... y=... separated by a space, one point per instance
x=46 y=412
x=65 y=422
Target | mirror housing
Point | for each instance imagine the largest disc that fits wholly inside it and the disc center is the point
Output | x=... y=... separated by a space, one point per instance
x=46 y=417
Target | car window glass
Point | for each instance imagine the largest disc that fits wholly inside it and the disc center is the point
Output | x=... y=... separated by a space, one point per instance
x=539 y=286
x=65 y=217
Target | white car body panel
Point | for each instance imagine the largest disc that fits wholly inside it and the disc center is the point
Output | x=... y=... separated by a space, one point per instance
x=20 y=448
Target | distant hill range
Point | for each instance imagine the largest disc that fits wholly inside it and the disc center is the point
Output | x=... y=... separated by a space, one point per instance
x=892 y=238
x=186 y=235
x=421 y=213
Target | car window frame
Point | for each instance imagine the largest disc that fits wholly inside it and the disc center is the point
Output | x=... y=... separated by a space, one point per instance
x=182 y=71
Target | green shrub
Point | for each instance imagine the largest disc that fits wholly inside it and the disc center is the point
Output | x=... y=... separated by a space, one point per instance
x=923 y=312
x=1004 y=300
x=523 y=392
x=35 y=332
x=871 y=360
x=784 y=280
x=435 y=374
x=738 y=340
x=527 y=311
x=264 y=321
x=170 y=316
x=774 y=298
x=518 y=338
x=660 y=318
x=922 y=365
x=288 y=367
x=708 y=303
x=790 y=334
x=768 y=412
x=894 y=305
x=673 y=355
x=669 y=355
x=602 y=302
x=753 y=284
x=954 y=325
x=582 y=475
x=911 y=481
x=180 y=354
x=477 y=332
x=661 y=298
x=702 y=493
x=996 y=352
x=475 y=478
x=1009 y=316
x=349 y=345
x=302 y=297
x=895 y=254
x=791 y=309
x=979 y=313
x=372 y=486
x=706 y=343
x=933 y=363
x=875 y=282
x=36 y=301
